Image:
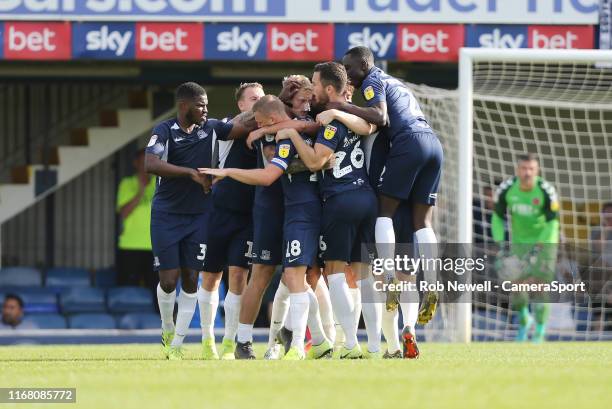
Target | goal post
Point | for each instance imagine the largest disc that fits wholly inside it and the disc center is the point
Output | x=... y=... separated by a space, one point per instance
x=554 y=103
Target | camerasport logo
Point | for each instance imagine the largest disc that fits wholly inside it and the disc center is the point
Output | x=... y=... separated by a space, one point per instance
x=429 y=42
x=306 y=42
x=37 y=41
x=169 y=41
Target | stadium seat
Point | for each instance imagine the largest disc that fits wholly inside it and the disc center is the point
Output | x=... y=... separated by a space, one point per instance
x=20 y=276
x=67 y=277
x=85 y=299
x=105 y=278
x=46 y=321
x=129 y=299
x=137 y=320
x=91 y=321
x=35 y=299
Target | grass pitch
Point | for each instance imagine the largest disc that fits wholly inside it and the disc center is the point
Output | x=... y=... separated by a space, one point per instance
x=479 y=375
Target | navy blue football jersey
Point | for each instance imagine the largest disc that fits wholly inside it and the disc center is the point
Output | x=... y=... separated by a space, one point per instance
x=229 y=193
x=405 y=115
x=349 y=171
x=270 y=197
x=300 y=187
x=170 y=143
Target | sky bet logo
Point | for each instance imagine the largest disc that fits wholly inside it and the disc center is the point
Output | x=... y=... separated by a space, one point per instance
x=380 y=38
x=103 y=41
x=235 y=41
x=504 y=36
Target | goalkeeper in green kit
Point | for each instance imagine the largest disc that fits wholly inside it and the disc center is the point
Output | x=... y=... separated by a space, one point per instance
x=533 y=206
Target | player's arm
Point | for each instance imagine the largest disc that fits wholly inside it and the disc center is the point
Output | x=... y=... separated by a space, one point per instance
x=315 y=158
x=241 y=125
x=156 y=166
x=306 y=127
x=375 y=114
x=550 y=231
x=375 y=111
x=356 y=124
x=498 y=220
x=257 y=177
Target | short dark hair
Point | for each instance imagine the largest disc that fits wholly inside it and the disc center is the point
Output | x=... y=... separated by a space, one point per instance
x=364 y=54
x=12 y=296
x=528 y=157
x=189 y=91
x=332 y=73
x=240 y=90
x=269 y=104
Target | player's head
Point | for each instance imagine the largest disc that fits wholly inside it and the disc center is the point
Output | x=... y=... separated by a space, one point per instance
x=12 y=310
x=358 y=61
x=300 y=102
x=191 y=102
x=269 y=110
x=247 y=94
x=348 y=92
x=329 y=80
x=527 y=169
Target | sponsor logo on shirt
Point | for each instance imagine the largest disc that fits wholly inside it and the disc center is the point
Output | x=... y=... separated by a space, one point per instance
x=330 y=131
x=368 y=93
x=283 y=151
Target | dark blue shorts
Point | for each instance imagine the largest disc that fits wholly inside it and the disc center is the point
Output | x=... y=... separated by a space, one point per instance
x=415 y=173
x=267 y=235
x=301 y=234
x=229 y=240
x=178 y=240
x=347 y=226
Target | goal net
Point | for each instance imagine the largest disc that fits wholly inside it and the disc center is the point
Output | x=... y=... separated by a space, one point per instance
x=558 y=105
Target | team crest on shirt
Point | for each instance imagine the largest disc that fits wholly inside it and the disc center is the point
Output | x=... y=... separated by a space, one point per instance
x=283 y=150
x=330 y=131
x=152 y=141
x=201 y=134
x=368 y=93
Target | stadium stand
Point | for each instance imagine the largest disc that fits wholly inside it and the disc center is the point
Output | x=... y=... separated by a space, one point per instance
x=139 y=321
x=129 y=299
x=105 y=278
x=20 y=276
x=92 y=321
x=80 y=300
x=45 y=321
x=62 y=277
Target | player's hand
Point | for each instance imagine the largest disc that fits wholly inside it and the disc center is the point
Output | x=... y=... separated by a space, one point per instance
x=217 y=173
x=335 y=105
x=254 y=135
x=284 y=134
x=202 y=179
x=325 y=117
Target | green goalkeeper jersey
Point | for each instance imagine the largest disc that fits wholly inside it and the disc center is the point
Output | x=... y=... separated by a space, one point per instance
x=534 y=214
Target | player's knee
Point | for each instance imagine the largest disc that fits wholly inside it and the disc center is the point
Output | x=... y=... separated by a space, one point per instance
x=168 y=284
